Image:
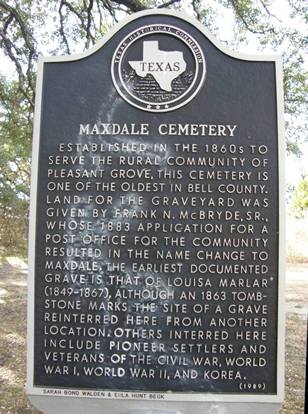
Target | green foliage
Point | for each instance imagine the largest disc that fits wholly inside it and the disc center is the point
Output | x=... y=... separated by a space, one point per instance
x=300 y=198
x=15 y=144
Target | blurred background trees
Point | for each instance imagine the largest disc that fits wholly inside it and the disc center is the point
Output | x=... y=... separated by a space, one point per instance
x=300 y=198
x=29 y=29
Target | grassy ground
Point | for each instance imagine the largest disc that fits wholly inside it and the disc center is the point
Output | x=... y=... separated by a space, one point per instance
x=295 y=365
x=13 y=284
x=296 y=330
x=297 y=240
x=13 y=287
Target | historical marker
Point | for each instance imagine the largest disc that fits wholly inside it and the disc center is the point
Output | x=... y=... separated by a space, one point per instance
x=155 y=249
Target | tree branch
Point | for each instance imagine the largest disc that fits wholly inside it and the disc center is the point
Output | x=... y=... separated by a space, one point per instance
x=25 y=33
x=9 y=47
x=169 y=3
x=246 y=24
x=268 y=12
x=88 y=25
x=62 y=31
x=7 y=23
x=26 y=84
x=196 y=9
x=110 y=9
x=74 y=11
x=132 y=5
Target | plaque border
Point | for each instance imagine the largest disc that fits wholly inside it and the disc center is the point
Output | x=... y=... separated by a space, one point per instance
x=174 y=396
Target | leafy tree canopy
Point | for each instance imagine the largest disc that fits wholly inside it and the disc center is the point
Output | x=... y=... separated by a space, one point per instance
x=52 y=27
x=300 y=198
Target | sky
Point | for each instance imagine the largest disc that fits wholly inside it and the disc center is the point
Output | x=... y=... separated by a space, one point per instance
x=296 y=167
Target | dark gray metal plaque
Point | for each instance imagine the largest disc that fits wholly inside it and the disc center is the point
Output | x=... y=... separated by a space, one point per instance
x=155 y=220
